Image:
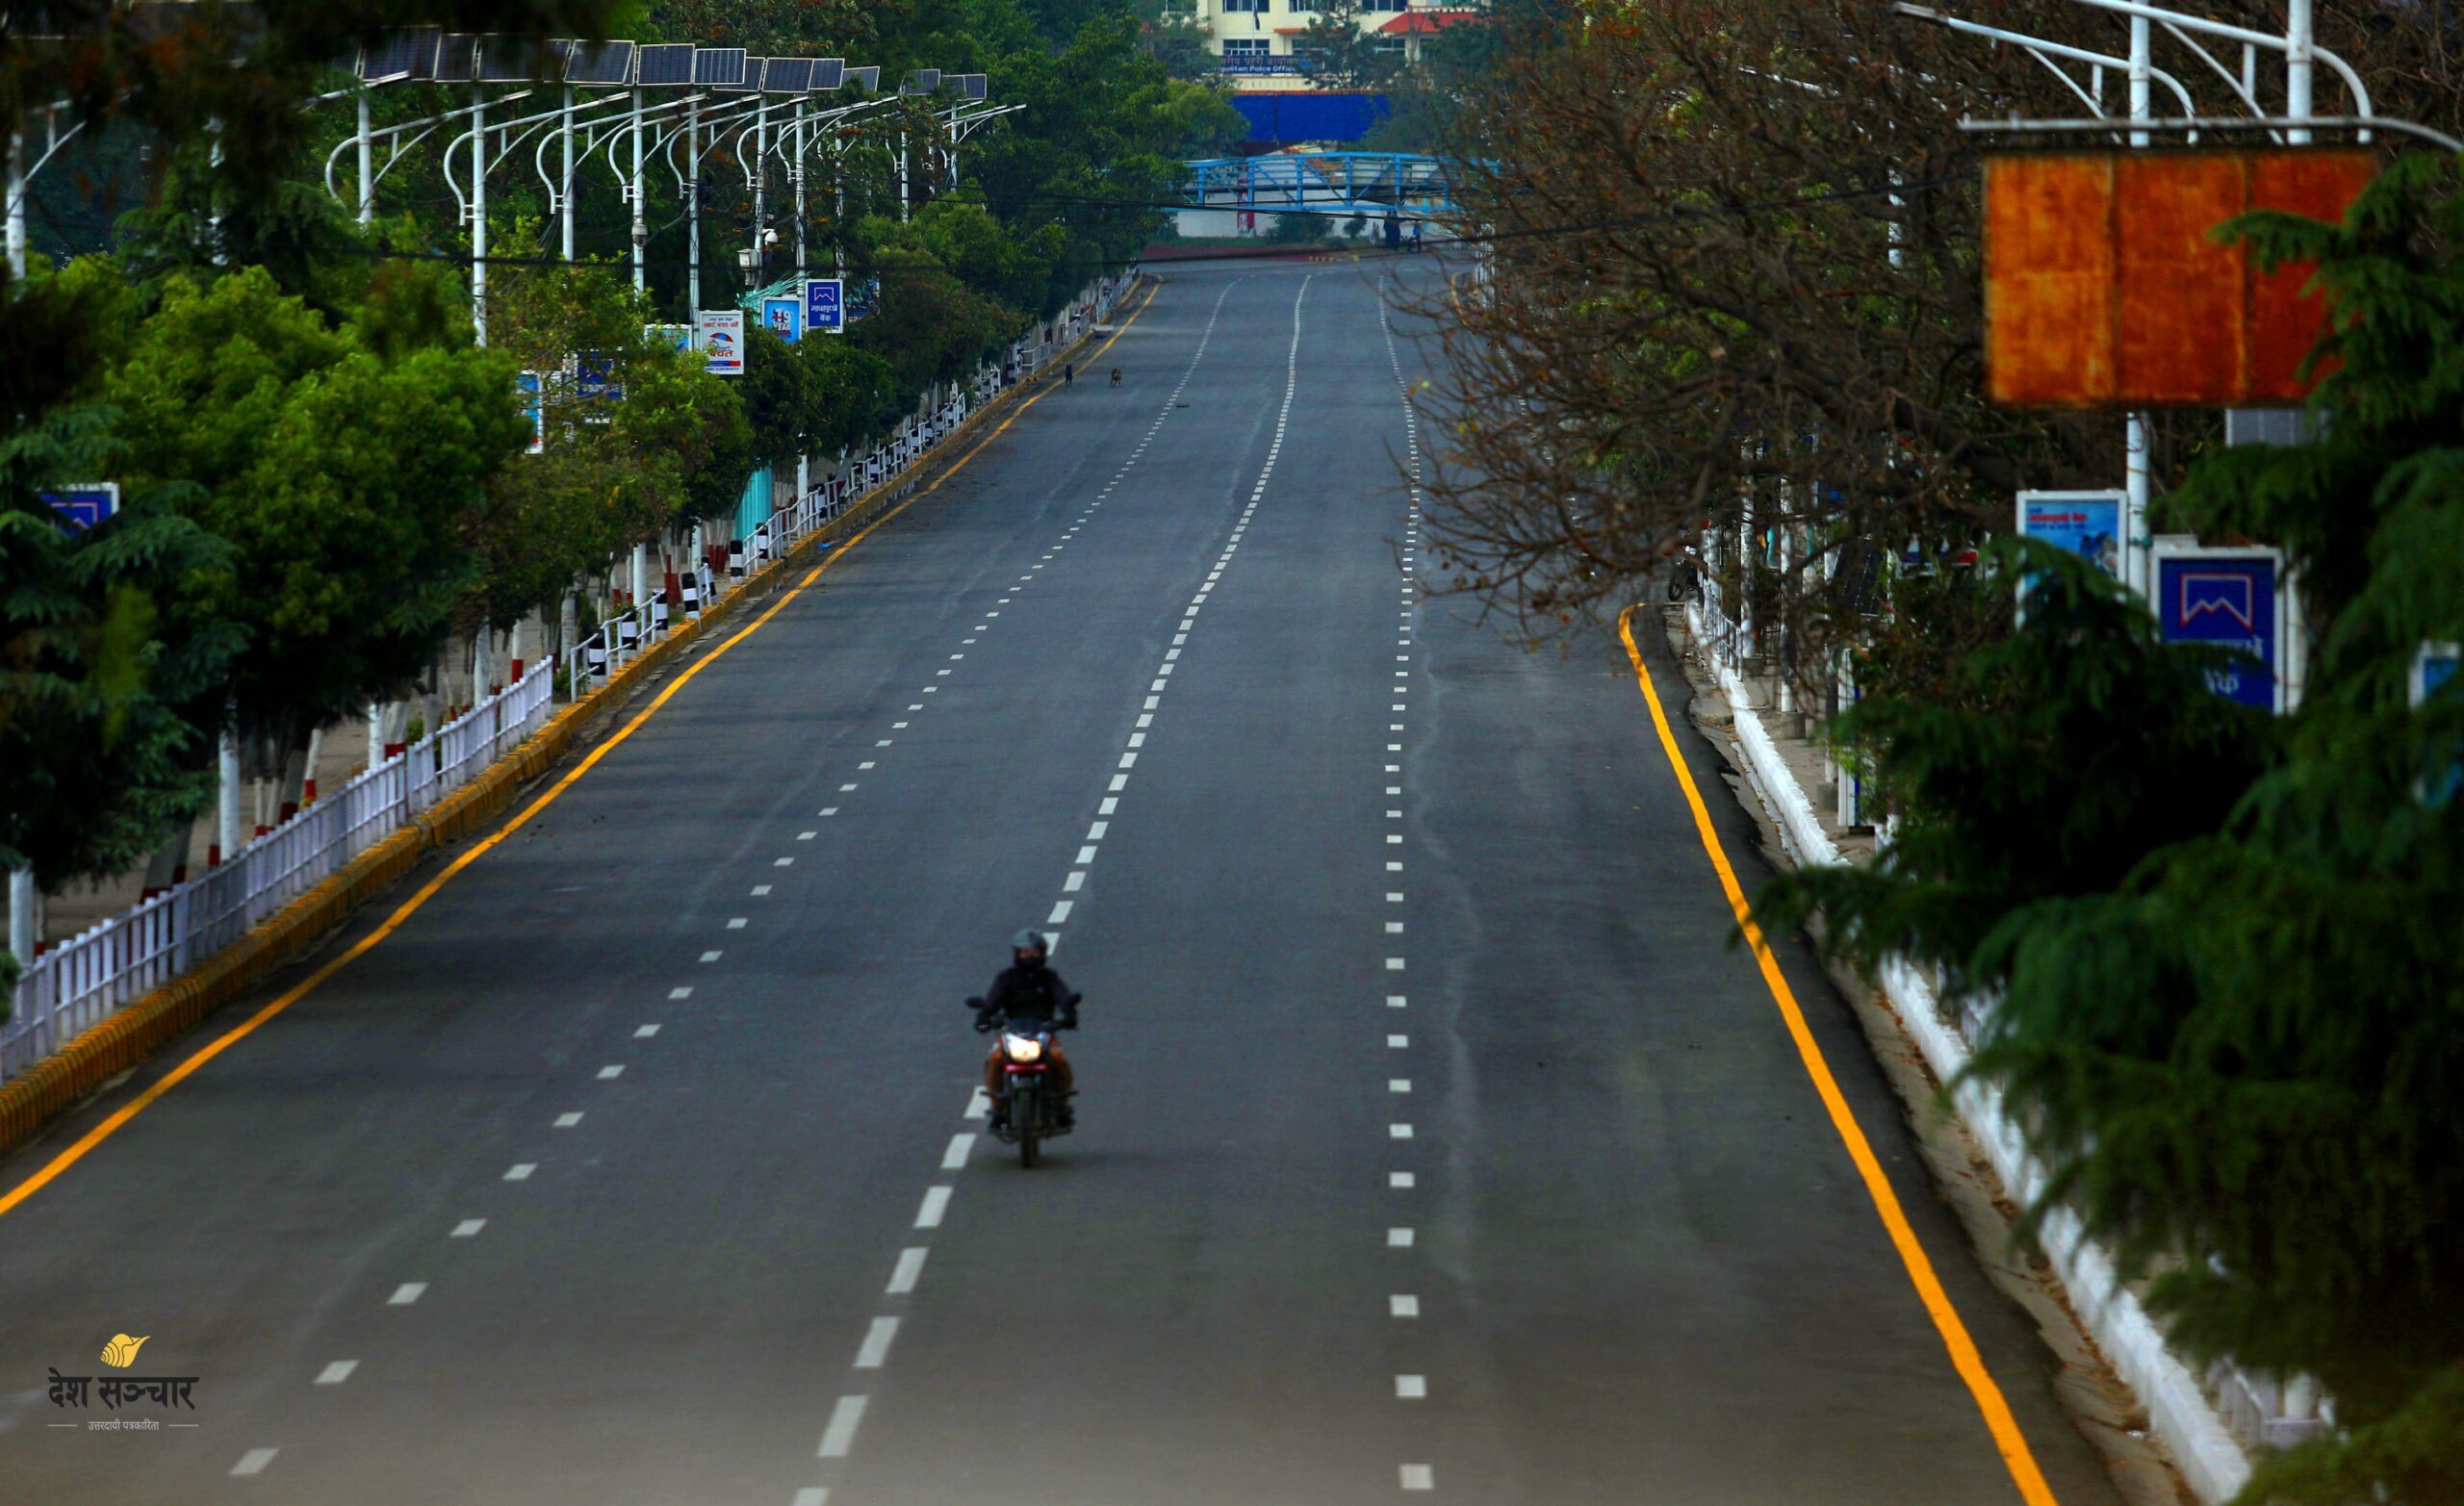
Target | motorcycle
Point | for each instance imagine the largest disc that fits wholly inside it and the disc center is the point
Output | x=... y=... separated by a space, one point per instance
x=1028 y=1112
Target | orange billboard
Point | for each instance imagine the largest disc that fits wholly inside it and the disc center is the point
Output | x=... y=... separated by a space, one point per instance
x=2104 y=288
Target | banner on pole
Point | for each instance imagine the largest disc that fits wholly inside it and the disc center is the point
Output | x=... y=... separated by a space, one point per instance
x=721 y=336
x=534 y=409
x=783 y=318
x=677 y=338
x=2086 y=523
x=2232 y=598
x=826 y=305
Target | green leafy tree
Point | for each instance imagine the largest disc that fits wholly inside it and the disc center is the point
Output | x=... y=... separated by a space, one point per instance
x=931 y=326
x=95 y=760
x=2225 y=951
x=342 y=481
x=854 y=389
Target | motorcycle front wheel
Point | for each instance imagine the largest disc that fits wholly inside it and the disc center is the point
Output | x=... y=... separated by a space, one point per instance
x=1026 y=1118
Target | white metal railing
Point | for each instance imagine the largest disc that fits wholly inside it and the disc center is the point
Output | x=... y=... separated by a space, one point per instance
x=76 y=984
x=79 y=983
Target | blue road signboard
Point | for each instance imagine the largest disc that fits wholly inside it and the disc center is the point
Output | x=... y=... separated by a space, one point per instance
x=82 y=507
x=783 y=318
x=2435 y=668
x=2086 y=524
x=2232 y=598
x=826 y=305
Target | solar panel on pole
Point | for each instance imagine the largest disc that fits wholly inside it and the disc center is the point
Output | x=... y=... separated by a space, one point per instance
x=600 y=64
x=868 y=77
x=513 y=59
x=718 y=67
x=972 y=86
x=787 y=76
x=751 y=82
x=397 y=56
x=664 y=66
x=921 y=81
x=829 y=72
x=457 y=58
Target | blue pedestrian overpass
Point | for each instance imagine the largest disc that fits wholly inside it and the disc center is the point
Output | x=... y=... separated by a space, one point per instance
x=1326 y=182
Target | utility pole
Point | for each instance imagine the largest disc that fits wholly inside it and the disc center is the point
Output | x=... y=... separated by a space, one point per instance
x=2137 y=543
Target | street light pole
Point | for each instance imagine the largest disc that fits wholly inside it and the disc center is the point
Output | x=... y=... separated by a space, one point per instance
x=693 y=211
x=478 y=214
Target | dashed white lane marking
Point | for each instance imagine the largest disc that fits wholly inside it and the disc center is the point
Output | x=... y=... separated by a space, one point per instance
x=954 y=1158
x=1395 y=1001
x=645 y=1032
x=789 y=862
x=737 y=921
x=566 y=1121
x=1411 y=1387
x=978 y=1106
x=1398 y=1085
x=840 y=1435
x=1402 y=1305
x=1399 y=1132
x=685 y=991
x=874 y=1351
x=710 y=957
x=337 y=1372
x=1399 y=1239
x=1060 y=911
x=1398 y=1042
x=611 y=1072
x=406 y=1294
x=254 y=1461
x=937 y=1202
x=909 y=1270
x=811 y=1496
x=1418 y=1477
x=521 y=1170
x=469 y=1228
x=1399 y=1179
x=760 y=889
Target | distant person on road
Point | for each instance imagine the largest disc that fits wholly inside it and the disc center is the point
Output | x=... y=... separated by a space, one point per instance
x=1068 y=374
x=1030 y=992
x=1115 y=376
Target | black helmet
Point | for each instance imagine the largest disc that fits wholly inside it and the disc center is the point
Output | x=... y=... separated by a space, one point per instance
x=1030 y=940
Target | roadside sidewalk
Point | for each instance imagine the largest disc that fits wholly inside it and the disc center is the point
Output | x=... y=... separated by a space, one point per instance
x=2206 y=1425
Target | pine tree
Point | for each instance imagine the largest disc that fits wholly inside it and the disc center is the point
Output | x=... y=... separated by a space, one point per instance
x=2227 y=952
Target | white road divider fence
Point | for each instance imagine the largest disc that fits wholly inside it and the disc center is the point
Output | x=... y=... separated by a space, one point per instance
x=82 y=981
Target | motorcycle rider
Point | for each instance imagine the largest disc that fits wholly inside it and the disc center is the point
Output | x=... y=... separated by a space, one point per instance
x=1029 y=992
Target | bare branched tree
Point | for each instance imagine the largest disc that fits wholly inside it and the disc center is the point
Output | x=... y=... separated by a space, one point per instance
x=1726 y=280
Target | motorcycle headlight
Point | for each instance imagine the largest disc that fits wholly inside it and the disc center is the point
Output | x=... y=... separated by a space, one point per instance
x=1023 y=1048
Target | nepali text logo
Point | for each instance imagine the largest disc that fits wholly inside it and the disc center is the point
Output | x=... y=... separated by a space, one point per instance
x=2225 y=594
x=164 y=1390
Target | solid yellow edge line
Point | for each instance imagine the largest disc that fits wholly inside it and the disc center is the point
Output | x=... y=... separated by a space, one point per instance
x=2013 y=1444
x=111 y=1125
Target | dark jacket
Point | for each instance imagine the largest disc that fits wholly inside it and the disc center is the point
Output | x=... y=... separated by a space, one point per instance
x=1030 y=993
